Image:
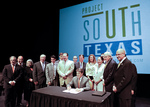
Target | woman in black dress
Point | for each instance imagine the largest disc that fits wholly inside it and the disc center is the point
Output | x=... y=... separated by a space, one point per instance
x=29 y=84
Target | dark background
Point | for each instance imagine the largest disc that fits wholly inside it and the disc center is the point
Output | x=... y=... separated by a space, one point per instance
x=32 y=28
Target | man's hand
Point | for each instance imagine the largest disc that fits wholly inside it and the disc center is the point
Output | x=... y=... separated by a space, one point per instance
x=31 y=80
x=114 y=89
x=65 y=77
x=79 y=89
x=49 y=83
x=69 y=88
x=36 y=83
x=12 y=83
x=132 y=92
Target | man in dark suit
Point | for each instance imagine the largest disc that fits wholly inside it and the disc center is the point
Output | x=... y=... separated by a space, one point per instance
x=11 y=74
x=80 y=81
x=52 y=77
x=134 y=87
x=20 y=62
x=109 y=71
x=123 y=80
x=39 y=77
x=80 y=64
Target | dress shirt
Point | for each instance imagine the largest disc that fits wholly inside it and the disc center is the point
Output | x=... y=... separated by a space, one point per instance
x=81 y=63
x=20 y=64
x=43 y=65
x=80 y=78
x=14 y=70
x=54 y=64
x=122 y=60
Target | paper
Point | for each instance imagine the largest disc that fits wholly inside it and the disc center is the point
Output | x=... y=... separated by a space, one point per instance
x=73 y=91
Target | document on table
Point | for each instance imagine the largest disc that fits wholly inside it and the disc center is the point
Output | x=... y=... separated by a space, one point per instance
x=73 y=91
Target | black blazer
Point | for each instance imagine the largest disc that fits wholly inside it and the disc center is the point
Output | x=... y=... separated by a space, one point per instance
x=134 y=77
x=38 y=73
x=77 y=65
x=28 y=73
x=8 y=75
x=109 y=75
x=123 y=78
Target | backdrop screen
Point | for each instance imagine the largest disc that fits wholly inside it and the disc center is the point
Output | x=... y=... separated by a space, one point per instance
x=105 y=25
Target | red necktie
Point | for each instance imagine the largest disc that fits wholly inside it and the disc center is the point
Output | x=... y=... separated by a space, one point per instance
x=13 y=68
x=31 y=69
x=78 y=83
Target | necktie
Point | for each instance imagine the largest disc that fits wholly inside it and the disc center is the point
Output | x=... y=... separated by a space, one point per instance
x=80 y=65
x=78 y=83
x=43 y=66
x=105 y=65
x=31 y=69
x=13 y=69
x=118 y=65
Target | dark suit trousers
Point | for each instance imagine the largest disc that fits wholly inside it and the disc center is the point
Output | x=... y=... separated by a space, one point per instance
x=124 y=102
x=19 y=93
x=10 y=97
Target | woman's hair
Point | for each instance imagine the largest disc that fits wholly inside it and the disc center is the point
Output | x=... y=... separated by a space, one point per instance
x=94 y=59
x=30 y=60
x=101 y=57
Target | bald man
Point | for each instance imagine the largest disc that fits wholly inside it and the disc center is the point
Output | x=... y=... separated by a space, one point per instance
x=122 y=80
x=20 y=63
x=65 y=70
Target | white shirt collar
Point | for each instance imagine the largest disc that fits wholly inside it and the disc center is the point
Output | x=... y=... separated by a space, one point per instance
x=67 y=60
x=122 y=60
x=53 y=63
x=80 y=78
x=42 y=62
x=21 y=64
x=13 y=65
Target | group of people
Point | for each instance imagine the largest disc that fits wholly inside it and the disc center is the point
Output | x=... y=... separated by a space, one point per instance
x=101 y=75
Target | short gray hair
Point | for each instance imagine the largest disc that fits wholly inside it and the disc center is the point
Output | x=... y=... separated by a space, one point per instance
x=42 y=55
x=30 y=60
x=12 y=57
x=108 y=54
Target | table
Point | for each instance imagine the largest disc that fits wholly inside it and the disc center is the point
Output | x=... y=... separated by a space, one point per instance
x=54 y=97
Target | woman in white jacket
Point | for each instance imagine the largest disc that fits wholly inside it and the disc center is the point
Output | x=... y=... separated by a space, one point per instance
x=98 y=75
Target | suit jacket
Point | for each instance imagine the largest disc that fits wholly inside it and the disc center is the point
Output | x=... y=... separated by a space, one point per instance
x=109 y=75
x=123 y=78
x=77 y=65
x=50 y=74
x=84 y=83
x=65 y=69
x=134 y=77
x=22 y=78
x=38 y=73
x=28 y=73
x=8 y=75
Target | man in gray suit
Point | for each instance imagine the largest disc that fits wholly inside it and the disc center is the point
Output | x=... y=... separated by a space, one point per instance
x=51 y=72
x=39 y=77
x=80 y=81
